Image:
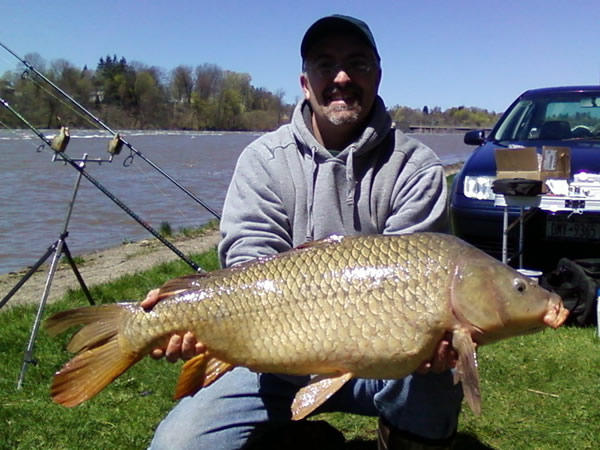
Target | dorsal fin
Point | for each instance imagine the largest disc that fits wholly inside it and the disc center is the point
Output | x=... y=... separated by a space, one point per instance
x=193 y=281
x=334 y=238
x=183 y=283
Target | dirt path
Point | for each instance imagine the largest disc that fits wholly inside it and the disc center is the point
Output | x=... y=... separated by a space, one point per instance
x=101 y=266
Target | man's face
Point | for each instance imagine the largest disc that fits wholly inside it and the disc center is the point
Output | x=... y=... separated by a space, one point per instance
x=340 y=80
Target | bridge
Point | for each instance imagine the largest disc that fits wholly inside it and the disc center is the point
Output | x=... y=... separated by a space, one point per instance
x=444 y=129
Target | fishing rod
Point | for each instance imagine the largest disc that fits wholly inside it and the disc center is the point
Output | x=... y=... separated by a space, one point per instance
x=119 y=203
x=115 y=134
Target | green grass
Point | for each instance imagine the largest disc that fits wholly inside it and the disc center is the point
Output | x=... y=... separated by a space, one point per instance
x=539 y=392
x=165 y=229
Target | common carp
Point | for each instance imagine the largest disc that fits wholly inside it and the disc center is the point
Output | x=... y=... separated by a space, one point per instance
x=362 y=306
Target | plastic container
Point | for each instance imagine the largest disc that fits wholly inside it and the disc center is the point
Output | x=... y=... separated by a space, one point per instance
x=598 y=311
x=533 y=274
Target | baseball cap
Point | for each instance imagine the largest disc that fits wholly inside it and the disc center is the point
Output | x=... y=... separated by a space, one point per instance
x=335 y=24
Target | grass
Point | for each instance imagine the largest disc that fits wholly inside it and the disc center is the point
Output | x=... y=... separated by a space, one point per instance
x=78 y=260
x=165 y=229
x=539 y=392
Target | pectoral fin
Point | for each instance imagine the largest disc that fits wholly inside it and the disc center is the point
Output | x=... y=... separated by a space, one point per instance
x=199 y=372
x=317 y=392
x=466 y=369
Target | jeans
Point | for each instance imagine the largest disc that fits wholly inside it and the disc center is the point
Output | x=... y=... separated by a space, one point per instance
x=229 y=413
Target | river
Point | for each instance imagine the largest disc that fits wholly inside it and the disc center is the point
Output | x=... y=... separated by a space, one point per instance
x=35 y=192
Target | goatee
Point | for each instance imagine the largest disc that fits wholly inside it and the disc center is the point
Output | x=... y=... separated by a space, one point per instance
x=342 y=115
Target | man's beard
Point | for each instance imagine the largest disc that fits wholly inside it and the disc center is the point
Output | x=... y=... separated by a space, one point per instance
x=342 y=114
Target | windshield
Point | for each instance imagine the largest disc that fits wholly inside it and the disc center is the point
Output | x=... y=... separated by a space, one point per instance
x=554 y=116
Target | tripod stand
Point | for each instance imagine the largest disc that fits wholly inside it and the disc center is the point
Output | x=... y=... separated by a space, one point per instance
x=58 y=247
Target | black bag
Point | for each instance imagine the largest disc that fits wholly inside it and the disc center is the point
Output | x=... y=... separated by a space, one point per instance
x=517 y=186
x=577 y=283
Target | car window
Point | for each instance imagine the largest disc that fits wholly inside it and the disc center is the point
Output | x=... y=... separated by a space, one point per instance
x=516 y=119
x=552 y=117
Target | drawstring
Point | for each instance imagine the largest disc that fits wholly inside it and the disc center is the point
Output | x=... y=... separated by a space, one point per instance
x=310 y=225
x=350 y=181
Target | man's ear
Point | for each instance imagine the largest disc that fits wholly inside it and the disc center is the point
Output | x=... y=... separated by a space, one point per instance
x=304 y=84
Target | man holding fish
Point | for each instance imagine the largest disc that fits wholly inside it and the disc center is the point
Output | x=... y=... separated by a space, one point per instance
x=338 y=168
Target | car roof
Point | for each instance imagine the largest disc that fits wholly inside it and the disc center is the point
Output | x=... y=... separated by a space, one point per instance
x=560 y=89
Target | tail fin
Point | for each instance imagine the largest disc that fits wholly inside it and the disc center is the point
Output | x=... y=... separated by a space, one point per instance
x=102 y=359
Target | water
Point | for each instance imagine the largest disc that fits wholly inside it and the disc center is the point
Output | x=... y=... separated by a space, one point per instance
x=35 y=192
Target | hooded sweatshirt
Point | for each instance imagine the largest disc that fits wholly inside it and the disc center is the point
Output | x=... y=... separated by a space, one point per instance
x=288 y=189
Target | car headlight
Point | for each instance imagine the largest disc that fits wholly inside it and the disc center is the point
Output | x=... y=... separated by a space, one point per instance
x=479 y=188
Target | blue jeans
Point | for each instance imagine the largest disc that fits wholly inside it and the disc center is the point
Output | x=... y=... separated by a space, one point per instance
x=226 y=414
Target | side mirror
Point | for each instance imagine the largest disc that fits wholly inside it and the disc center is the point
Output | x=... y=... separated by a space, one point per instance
x=474 y=137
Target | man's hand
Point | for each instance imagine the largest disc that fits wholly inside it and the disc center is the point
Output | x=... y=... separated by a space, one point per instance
x=444 y=358
x=179 y=346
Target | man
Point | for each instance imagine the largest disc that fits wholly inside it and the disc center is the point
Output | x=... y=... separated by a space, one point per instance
x=338 y=167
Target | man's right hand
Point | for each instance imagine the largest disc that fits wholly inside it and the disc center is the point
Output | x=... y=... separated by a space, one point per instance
x=180 y=346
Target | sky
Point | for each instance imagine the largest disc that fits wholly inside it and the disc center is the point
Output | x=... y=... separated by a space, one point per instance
x=479 y=53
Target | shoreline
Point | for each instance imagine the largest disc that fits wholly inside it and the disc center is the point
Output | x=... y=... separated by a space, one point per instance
x=101 y=266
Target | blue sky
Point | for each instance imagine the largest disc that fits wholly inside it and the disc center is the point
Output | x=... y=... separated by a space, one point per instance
x=435 y=53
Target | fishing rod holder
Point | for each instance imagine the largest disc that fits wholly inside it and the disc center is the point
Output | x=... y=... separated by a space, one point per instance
x=58 y=248
x=57 y=157
x=102 y=189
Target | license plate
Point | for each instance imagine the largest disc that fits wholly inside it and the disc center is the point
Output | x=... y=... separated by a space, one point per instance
x=574 y=228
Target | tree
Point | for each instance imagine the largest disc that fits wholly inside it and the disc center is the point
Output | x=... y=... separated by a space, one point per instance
x=129 y=95
x=182 y=83
x=209 y=78
x=35 y=60
x=116 y=78
x=148 y=99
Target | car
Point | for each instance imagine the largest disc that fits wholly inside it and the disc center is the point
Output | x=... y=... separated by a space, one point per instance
x=552 y=117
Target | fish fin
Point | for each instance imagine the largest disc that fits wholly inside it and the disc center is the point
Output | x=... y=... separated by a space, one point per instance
x=102 y=358
x=183 y=283
x=466 y=369
x=101 y=324
x=319 y=243
x=317 y=392
x=198 y=372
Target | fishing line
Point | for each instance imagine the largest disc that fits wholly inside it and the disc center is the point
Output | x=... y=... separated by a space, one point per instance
x=102 y=189
x=107 y=128
x=137 y=166
x=26 y=76
x=156 y=186
x=42 y=148
x=128 y=161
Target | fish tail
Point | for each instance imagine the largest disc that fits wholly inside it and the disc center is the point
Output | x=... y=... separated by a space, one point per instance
x=102 y=357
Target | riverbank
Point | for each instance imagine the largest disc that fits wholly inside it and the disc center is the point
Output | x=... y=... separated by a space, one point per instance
x=102 y=266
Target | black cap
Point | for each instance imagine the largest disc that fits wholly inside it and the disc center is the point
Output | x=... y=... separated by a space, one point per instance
x=336 y=24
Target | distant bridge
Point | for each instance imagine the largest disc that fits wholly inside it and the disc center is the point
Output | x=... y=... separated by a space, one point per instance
x=444 y=129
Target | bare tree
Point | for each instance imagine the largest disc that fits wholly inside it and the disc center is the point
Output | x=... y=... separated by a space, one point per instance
x=182 y=83
x=209 y=79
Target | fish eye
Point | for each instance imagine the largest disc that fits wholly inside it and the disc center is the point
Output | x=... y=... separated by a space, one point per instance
x=520 y=285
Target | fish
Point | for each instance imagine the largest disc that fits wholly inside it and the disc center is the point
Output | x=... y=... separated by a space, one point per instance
x=367 y=306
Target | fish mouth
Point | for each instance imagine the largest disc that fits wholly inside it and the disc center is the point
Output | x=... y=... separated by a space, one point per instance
x=556 y=314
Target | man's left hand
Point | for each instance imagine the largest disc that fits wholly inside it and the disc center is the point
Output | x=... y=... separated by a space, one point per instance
x=444 y=358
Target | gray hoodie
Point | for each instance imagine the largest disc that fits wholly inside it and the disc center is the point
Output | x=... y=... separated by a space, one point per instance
x=288 y=189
